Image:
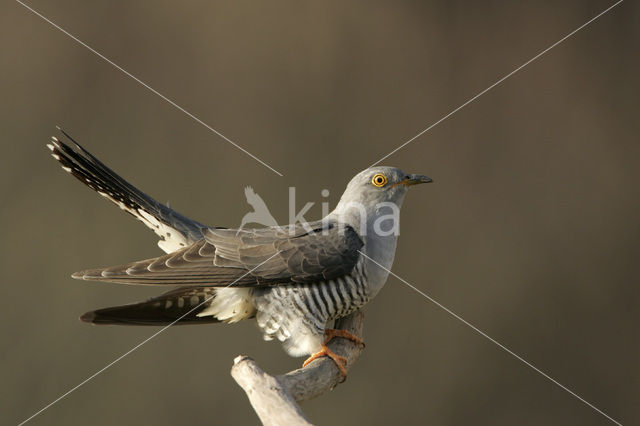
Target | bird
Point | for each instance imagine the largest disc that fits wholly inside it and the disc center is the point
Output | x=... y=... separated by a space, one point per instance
x=293 y=280
x=260 y=213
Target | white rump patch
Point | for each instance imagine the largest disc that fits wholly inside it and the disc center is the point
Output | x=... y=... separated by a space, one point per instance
x=230 y=305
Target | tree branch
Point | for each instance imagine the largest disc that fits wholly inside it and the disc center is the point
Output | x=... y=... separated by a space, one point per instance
x=275 y=398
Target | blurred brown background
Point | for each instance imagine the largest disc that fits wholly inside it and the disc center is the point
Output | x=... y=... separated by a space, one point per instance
x=530 y=232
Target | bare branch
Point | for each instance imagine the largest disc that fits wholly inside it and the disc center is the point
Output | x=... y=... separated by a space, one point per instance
x=269 y=398
x=274 y=398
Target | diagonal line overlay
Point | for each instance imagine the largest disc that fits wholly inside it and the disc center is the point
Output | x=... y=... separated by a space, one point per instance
x=465 y=322
x=496 y=83
x=163 y=329
x=494 y=341
x=151 y=89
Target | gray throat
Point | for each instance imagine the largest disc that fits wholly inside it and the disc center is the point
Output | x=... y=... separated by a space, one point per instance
x=379 y=249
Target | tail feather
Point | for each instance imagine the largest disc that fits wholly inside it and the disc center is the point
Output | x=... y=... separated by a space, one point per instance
x=179 y=307
x=174 y=229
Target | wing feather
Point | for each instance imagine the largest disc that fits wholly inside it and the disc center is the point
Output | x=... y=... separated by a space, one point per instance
x=270 y=256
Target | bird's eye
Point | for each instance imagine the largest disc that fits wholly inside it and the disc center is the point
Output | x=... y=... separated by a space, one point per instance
x=379 y=180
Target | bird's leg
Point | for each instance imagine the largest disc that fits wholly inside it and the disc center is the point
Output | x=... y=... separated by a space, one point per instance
x=330 y=333
x=339 y=360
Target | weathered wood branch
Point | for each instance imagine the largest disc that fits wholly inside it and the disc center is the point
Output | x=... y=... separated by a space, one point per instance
x=275 y=398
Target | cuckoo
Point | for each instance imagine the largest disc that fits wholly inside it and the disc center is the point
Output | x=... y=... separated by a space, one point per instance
x=294 y=280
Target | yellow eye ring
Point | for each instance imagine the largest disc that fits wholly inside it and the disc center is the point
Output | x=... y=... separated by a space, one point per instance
x=379 y=180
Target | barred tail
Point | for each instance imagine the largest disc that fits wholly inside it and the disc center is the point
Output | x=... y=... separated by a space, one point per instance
x=179 y=307
x=174 y=229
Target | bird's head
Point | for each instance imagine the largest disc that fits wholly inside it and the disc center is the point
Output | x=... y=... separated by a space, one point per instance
x=381 y=184
x=376 y=186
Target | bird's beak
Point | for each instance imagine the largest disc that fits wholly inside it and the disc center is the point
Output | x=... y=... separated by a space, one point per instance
x=416 y=179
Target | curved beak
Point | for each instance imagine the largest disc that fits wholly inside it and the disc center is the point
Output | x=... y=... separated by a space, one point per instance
x=416 y=179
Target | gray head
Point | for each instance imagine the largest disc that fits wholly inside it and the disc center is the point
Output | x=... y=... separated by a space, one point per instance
x=381 y=184
x=376 y=186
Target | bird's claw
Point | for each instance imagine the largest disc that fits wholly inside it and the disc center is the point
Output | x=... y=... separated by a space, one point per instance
x=331 y=333
x=339 y=360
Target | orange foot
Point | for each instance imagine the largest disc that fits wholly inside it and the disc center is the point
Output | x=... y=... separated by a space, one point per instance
x=330 y=333
x=340 y=361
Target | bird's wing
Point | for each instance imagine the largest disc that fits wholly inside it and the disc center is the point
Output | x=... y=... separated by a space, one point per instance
x=249 y=258
x=174 y=229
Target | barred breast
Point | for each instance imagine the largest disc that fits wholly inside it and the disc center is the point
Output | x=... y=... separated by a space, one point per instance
x=297 y=315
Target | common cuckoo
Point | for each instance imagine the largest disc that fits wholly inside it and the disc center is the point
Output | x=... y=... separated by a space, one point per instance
x=294 y=280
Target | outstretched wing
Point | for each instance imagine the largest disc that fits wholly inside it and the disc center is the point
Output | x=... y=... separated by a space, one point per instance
x=270 y=256
x=175 y=230
x=255 y=201
x=249 y=193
